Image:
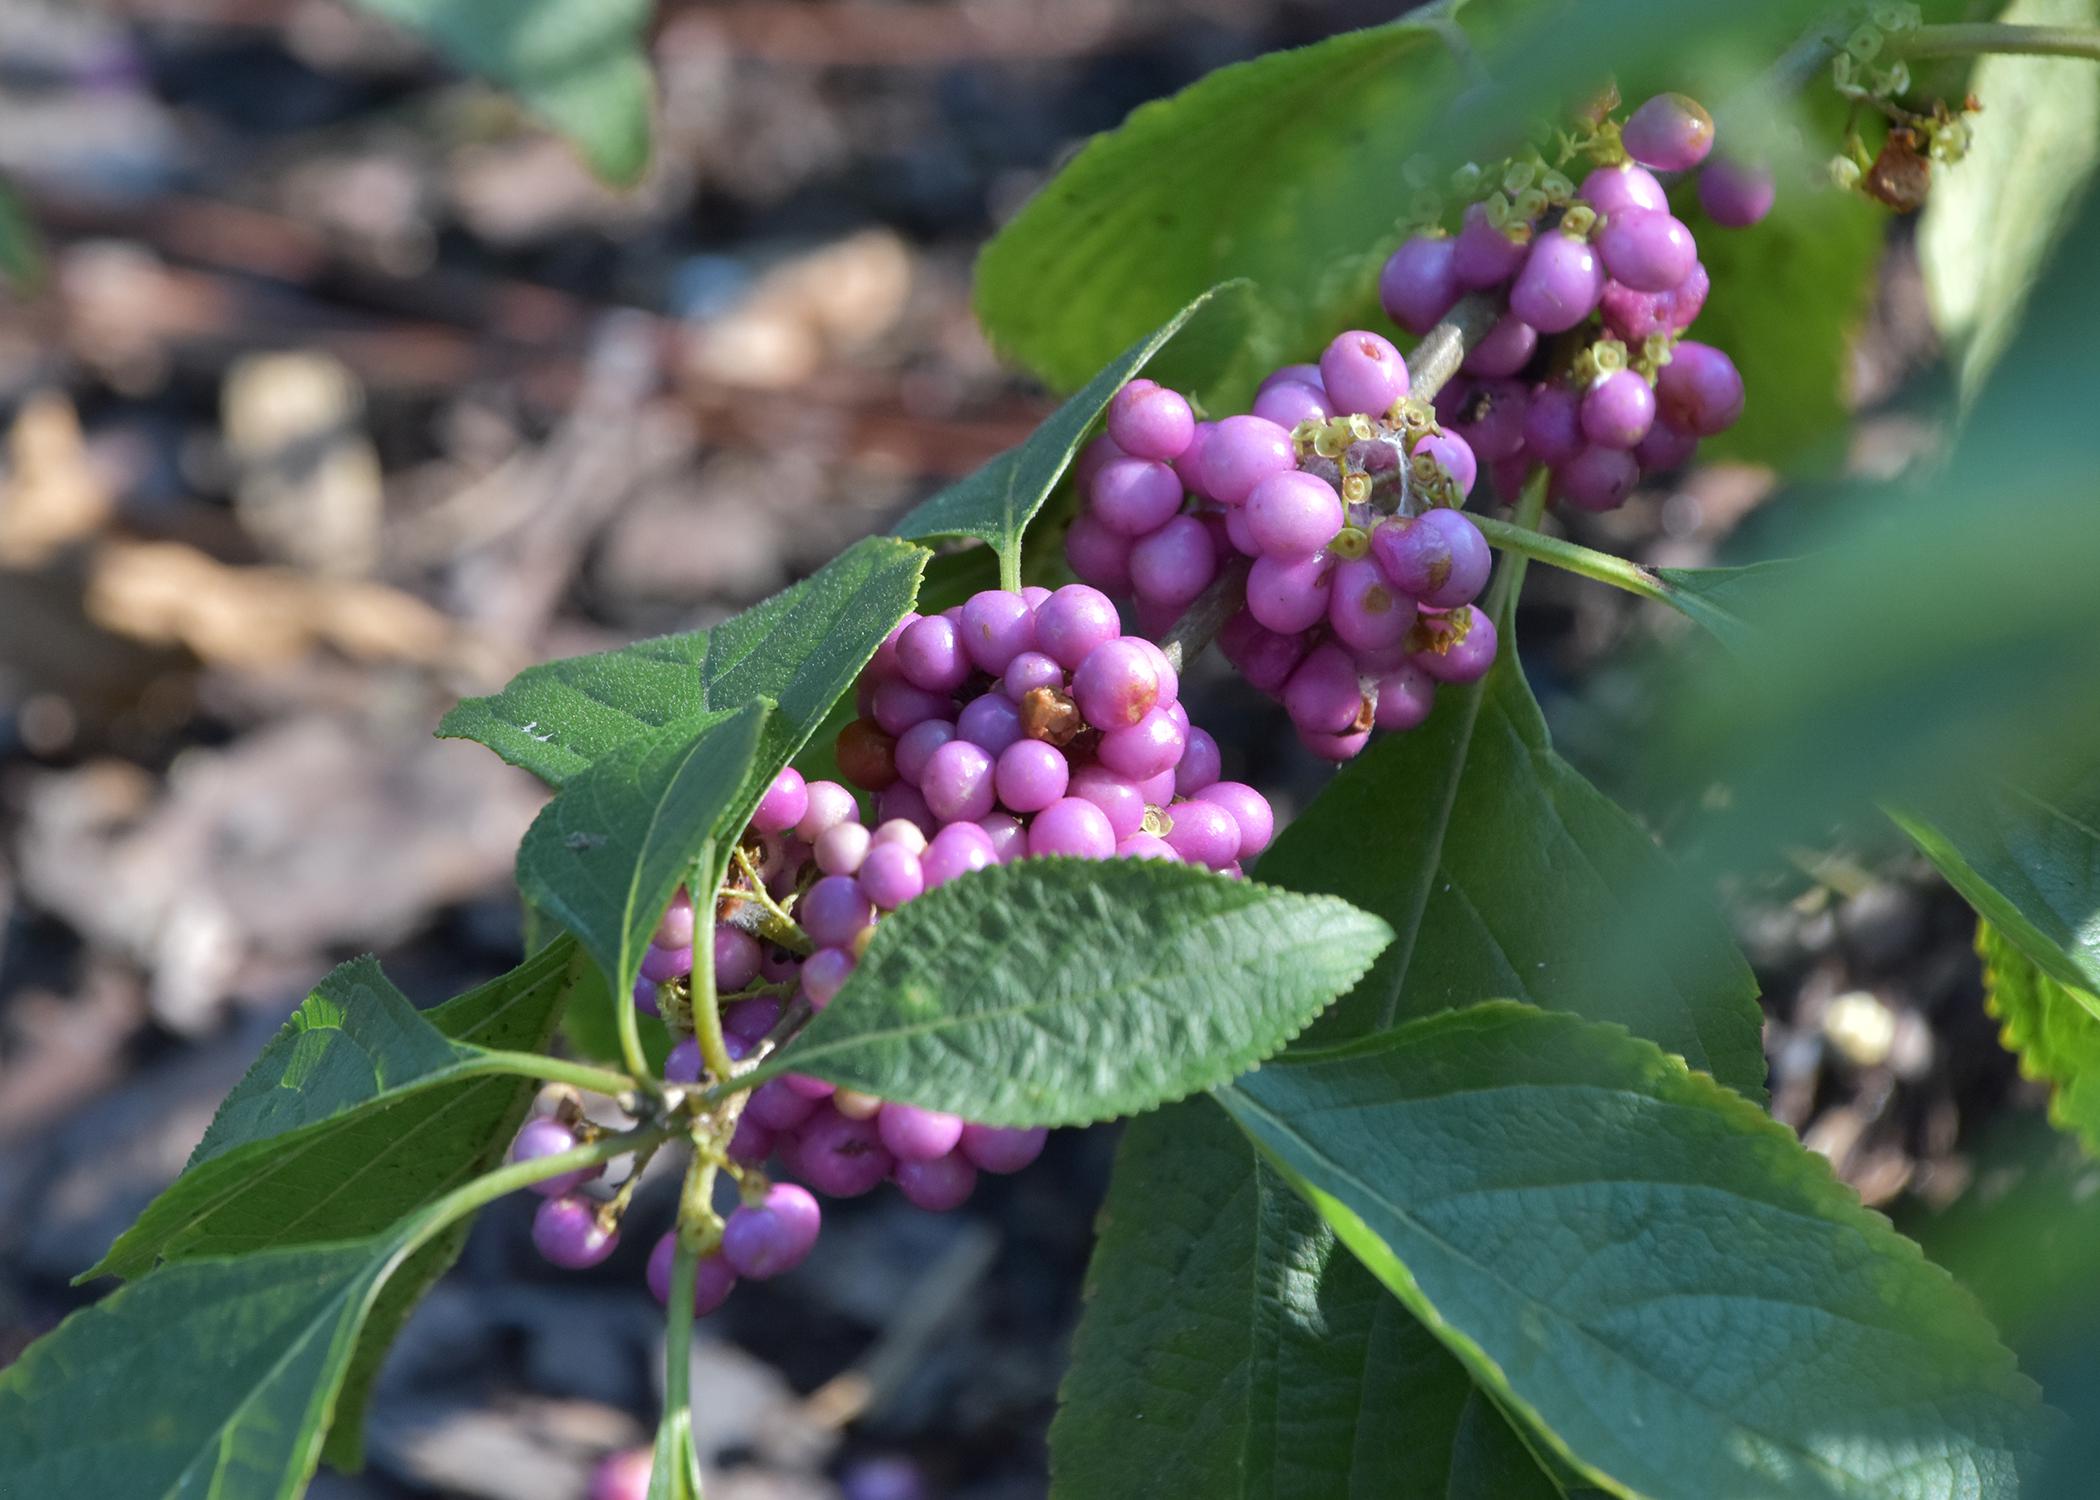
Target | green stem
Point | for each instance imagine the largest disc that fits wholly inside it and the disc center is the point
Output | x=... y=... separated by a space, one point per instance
x=1010 y=568
x=631 y=1053
x=1971 y=38
x=1523 y=542
x=707 y=1012
x=1531 y=505
x=558 y=1070
x=490 y=1186
x=674 y=1444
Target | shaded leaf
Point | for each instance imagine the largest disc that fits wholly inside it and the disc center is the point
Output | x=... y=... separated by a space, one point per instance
x=2052 y=1029
x=1716 y=598
x=1063 y=991
x=1231 y=1348
x=1994 y=217
x=995 y=504
x=1497 y=866
x=581 y=68
x=1654 y=1273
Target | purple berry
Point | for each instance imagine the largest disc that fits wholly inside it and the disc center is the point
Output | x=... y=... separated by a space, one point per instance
x=1335 y=747
x=1559 y=285
x=1097 y=555
x=683 y=1064
x=543 y=1138
x=777 y=1105
x=841 y=1156
x=1169 y=679
x=1002 y=1149
x=1116 y=683
x=1150 y=421
x=957 y=850
x=825 y=972
x=939 y=1185
x=1483 y=256
x=749 y=1020
x=899 y=705
x=1505 y=349
x=997 y=626
x=1466 y=659
x=1366 y=613
x=1735 y=194
x=829 y=805
x=1303 y=374
x=1146 y=846
x=1150 y=746
x=1242 y=453
x=1420 y=282
x=1636 y=316
x=662 y=965
x=1093 y=458
x=1664 y=448
x=1454 y=455
x=1188 y=468
x=1135 y=496
x=1670 y=133
x=1073 y=826
x=1200 y=765
x=1203 y=833
x=1405 y=696
x=1118 y=798
x=809 y=1088
x=1647 y=250
x=784 y=803
x=1029 y=671
x=675 y=929
x=1596 y=479
x=713 y=1280
x=1488 y=414
x=567 y=1232
x=1072 y=622
x=1362 y=372
x=991 y=722
x=1699 y=391
x=914 y=1134
x=1031 y=775
x=931 y=656
x=1249 y=809
x=1618 y=410
x=890 y=876
x=1613 y=190
x=772 y=1236
x=958 y=782
x=1293 y=515
x=1287 y=596
x=1324 y=695
x=916 y=745
x=1440 y=558
x=834 y=911
x=839 y=851
x=1009 y=838
x=1553 y=425
x=645 y=999
x=1174 y=564
x=1289 y=402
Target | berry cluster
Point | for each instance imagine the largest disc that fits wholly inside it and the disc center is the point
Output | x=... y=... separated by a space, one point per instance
x=1587 y=371
x=1015 y=724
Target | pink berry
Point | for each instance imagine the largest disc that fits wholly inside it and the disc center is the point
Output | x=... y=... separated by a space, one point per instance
x=829 y=805
x=1174 y=564
x=1699 y=391
x=662 y=965
x=1001 y=1149
x=773 y=1236
x=1242 y=453
x=996 y=627
x=1664 y=448
x=913 y=1134
x=1029 y=671
x=1072 y=826
x=1553 y=425
x=1030 y=775
x=1335 y=747
x=1466 y=659
x=1265 y=658
x=890 y=876
x=1439 y=558
x=991 y=722
x=1367 y=614
x=1636 y=316
x=841 y=848
x=1009 y=838
x=1618 y=410
x=1249 y=809
x=1647 y=250
x=1118 y=798
x=1150 y=421
x=824 y=974
x=1072 y=622
x=1596 y=479
x=939 y=1185
x=1146 y=846
x=1150 y=746
x=1289 y=402
x=777 y=1106
x=1324 y=695
x=1289 y=595
x=1454 y=455
x=840 y=1156
x=1200 y=765
x=1362 y=372
x=1612 y=190
x=1097 y=554
x=567 y=1232
x=1135 y=496
x=1203 y=833
x=713 y=1280
x=931 y=656
x=675 y=929
x=542 y=1138
x=1405 y=696
x=1484 y=256
x=1505 y=349
x=835 y=911
x=957 y=850
x=1670 y=133
x=1559 y=285
x=916 y=745
x=1293 y=515
x=1735 y=194
x=784 y=803
x=1420 y=283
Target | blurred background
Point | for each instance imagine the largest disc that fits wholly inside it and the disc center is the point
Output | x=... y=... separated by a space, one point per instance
x=345 y=389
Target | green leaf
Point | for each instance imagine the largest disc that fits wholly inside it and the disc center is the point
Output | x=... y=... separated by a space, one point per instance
x=1497 y=865
x=2027 y=856
x=604 y=856
x=803 y=648
x=1788 y=296
x=1275 y=170
x=1231 y=1348
x=557 y=718
x=358 y=1112
x=995 y=504
x=21 y=249
x=209 y=1378
x=1643 y=1264
x=2052 y=1029
x=1489 y=1460
x=1715 y=598
x=1063 y=991
x=1996 y=215
x=581 y=67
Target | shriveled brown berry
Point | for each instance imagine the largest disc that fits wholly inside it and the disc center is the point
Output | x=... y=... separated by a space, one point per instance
x=867 y=757
x=1050 y=715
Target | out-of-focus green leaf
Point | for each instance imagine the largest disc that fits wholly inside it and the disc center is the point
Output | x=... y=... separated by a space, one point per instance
x=578 y=64
x=21 y=250
x=1994 y=217
x=2054 y=1030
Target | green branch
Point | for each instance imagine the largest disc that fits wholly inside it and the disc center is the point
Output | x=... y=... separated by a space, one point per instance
x=1974 y=38
x=558 y=1070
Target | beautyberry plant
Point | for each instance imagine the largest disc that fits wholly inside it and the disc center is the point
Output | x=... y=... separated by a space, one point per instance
x=1440 y=1178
